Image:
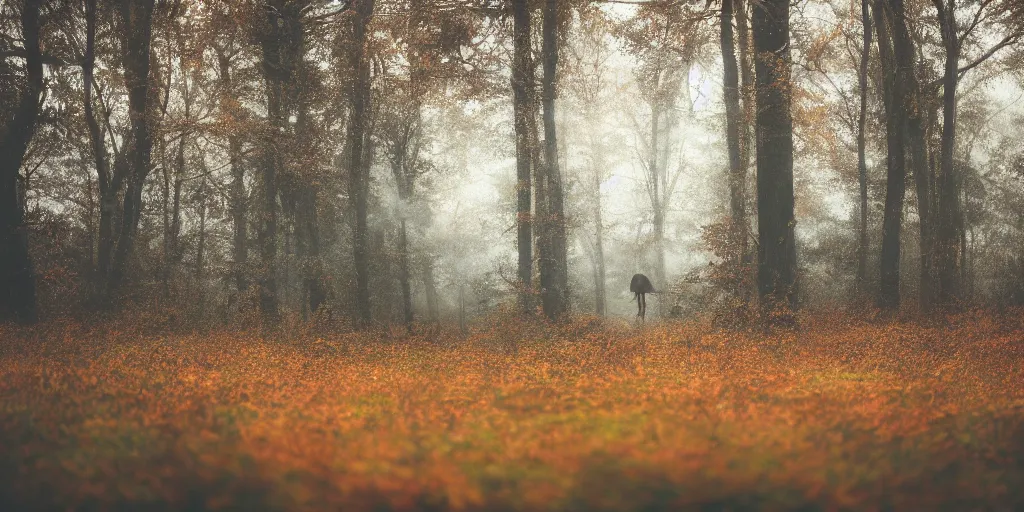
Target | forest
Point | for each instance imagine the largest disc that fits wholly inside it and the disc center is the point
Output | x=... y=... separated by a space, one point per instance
x=396 y=254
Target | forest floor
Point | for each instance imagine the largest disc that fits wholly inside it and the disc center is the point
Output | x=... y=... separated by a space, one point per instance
x=840 y=415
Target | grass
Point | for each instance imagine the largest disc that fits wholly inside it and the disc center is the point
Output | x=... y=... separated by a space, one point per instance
x=841 y=415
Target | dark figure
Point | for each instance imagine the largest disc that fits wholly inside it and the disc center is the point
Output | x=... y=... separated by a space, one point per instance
x=640 y=286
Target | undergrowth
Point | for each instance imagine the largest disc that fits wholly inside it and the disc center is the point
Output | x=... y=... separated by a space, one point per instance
x=591 y=415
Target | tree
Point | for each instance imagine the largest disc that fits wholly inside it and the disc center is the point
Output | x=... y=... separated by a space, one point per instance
x=137 y=23
x=17 y=279
x=775 y=202
x=665 y=38
x=895 y=76
x=735 y=134
x=862 y=165
x=554 y=280
x=523 y=100
x=358 y=164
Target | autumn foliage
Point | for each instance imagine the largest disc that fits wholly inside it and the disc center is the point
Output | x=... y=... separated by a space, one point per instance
x=839 y=415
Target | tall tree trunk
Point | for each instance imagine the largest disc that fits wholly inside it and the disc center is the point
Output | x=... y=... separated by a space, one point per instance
x=600 y=296
x=948 y=240
x=308 y=235
x=17 y=277
x=777 y=247
x=237 y=196
x=272 y=69
x=734 y=140
x=137 y=16
x=862 y=166
x=656 y=172
x=105 y=182
x=895 y=189
x=522 y=99
x=172 y=214
x=359 y=98
x=555 y=294
x=201 y=249
x=747 y=82
x=403 y=275
x=917 y=144
x=430 y=285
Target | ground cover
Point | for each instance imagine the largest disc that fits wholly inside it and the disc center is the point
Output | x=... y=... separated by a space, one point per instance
x=840 y=415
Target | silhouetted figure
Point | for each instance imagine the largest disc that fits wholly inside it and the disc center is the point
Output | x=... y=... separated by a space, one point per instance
x=640 y=286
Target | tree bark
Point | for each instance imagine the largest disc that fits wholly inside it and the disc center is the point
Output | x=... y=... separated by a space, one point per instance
x=17 y=277
x=237 y=198
x=359 y=98
x=430 y=285
x=137 y=16
x=862 y=166
x=948 y=240
x=106 y=184
x=522 y=99
x=273 y=68
x=777 y=247
x=734 y=141
x=555 y=292
x=889 y=289
x=600 y=295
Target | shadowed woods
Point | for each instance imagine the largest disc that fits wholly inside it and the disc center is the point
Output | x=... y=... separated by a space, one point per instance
x=841 y=415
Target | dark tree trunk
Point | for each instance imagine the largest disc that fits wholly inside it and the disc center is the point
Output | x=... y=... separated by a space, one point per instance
x=889 y=285
x=948 y=241
x=105 y=243
x=237 y=201
x=555 y=292
x=430 y=285
x=522 y=99
x=308 y=235
x=137 y=16
x=172 y=212
x=268 y=162
x=777 y=247
x=359 y=98
x=17 y=277
x=862 y=166
x=917 y=144
x=734 y=140
x=747 y=83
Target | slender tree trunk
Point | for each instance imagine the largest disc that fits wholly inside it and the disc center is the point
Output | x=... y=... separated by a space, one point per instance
x=107 y=199
x=656 y=172
x=17 y=277
x=522 y=98
x=777 y=247
x=137 y=15
x=556 y=291
x=430 y=285
x=404 y=277
x=237 y=197
x=746 y=81
x=949 y=242
x=201 y=250
x=600 y=298
x=862 y=166
x=462 y=308
x=734 y=140
x=359 y=98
